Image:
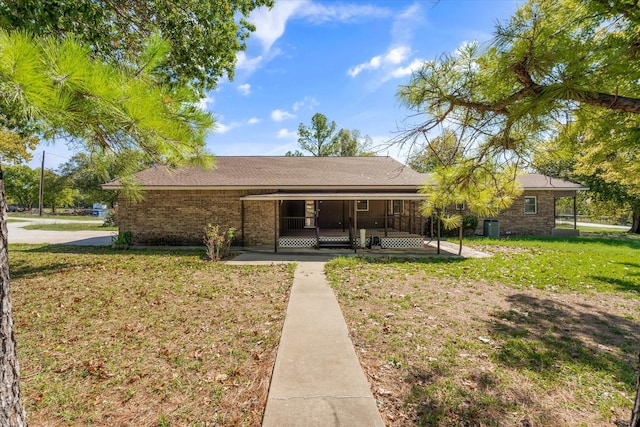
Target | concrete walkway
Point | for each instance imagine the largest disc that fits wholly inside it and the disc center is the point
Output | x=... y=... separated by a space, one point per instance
x=317 y=378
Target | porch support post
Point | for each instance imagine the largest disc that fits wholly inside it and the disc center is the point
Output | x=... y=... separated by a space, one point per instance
x=575 y=212
x=386 y=218
x=242 y=222
x=275 y=226
x=355 y=219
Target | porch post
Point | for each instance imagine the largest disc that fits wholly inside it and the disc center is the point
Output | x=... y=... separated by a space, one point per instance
x=275 y=226
x=242 y=222
x=386 y=217
x=355 y=218
x=575 y=212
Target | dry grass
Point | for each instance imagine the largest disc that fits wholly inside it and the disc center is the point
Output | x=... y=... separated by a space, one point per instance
x=144 y=338
x=444 y=347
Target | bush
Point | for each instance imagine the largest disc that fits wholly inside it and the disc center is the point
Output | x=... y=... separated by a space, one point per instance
x=218 y=242
x=469 y=225
x=111 y=219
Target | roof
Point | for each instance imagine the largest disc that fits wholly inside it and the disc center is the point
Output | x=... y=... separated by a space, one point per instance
x=255 y=172
x=307 y=174
x=536 y=181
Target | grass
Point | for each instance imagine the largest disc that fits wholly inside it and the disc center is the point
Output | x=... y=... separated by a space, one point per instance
x=545 y=332
x=69 y=226
x=145 y=337
x=51 y=216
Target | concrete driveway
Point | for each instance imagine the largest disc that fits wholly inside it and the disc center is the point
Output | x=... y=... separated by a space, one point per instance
x=17 y=233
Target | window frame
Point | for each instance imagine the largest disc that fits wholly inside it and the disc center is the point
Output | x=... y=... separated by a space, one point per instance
x=535 y=205
x=358 y=209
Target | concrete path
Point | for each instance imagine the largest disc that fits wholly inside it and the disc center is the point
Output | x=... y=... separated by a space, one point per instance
x=317 y=379
x=17 y=234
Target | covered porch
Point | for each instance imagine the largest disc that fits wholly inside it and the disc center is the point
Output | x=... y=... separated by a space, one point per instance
x=346 y=220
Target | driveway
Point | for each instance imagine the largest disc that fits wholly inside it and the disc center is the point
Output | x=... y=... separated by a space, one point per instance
x=17 y=233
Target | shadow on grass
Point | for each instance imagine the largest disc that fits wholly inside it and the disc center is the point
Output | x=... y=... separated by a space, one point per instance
x=106 y=250
x=630 y=240
x=542 y=339
x=21 y=269
x=544 y=336
x=621 y=284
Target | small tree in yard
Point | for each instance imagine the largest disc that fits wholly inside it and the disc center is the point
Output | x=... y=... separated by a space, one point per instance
x=218 y=242
x=485 y=191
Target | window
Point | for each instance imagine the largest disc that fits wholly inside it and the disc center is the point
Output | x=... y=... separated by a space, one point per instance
x=362 y=205
x=397 y=206
x=530 y=205
x=460 y=206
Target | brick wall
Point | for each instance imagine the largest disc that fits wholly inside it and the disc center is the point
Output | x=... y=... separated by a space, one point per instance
x=514 y=221
x=177 y=217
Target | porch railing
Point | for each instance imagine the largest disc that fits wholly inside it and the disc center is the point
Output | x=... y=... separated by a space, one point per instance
x=293 y=223
x=391 y=224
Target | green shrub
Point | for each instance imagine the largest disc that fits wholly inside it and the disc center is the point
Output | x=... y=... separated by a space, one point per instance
x=218 y=242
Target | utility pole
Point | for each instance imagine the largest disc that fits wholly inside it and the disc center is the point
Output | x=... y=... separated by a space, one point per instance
x=41 y=199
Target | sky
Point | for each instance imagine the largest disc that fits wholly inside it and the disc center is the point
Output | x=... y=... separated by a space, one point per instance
x=344 y=59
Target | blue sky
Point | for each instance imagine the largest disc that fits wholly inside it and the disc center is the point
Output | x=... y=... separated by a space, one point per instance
x=344 y=59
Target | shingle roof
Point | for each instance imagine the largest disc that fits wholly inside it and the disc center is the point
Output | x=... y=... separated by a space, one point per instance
x=536 y=181
x=285 y=172
x=307 y=173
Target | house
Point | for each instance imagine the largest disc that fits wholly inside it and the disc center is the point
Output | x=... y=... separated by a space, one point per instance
x=282 y=202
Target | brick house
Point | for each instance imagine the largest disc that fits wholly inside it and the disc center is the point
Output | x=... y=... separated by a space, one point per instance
x=306 y=202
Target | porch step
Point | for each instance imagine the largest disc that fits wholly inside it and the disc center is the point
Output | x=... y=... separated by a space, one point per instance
x=334 y=243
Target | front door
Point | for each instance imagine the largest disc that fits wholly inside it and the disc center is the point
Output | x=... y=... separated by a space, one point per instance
x=309 y=214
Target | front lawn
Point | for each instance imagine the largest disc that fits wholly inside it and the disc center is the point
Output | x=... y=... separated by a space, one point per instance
x=146 y=337
x=546 y=332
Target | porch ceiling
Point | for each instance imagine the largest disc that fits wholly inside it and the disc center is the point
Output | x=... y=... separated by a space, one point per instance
x=335 y=196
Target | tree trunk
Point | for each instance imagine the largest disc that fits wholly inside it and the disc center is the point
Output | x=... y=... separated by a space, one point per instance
x=460 y=237
x=635 y=222
x=11 y=410
x=439 y=222
x=635 y=413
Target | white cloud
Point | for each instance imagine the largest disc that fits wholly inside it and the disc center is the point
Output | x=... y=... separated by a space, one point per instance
x=406 y=22
x=221 y=128
x=204 y=103
x=285 y=133
x=393 y=57
x=253 y=121
x=280 y=115
x=245 y=89
x=373 y=64
x=249 y=64
x=320 y=13
x=270 y=24
x=416 y=64
x=397 y=55
x=307 y=102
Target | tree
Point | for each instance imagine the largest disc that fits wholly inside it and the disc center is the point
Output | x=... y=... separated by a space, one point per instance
x=57 y=191
x=438 y=151
x=555 y=63
x=319 y=138
x=86 y=172
x=22 y=185
x=55 y=86
x=204 y=35
x=351 y=143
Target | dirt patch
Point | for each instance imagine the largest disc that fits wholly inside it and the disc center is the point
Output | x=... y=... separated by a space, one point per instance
x=442 y=352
